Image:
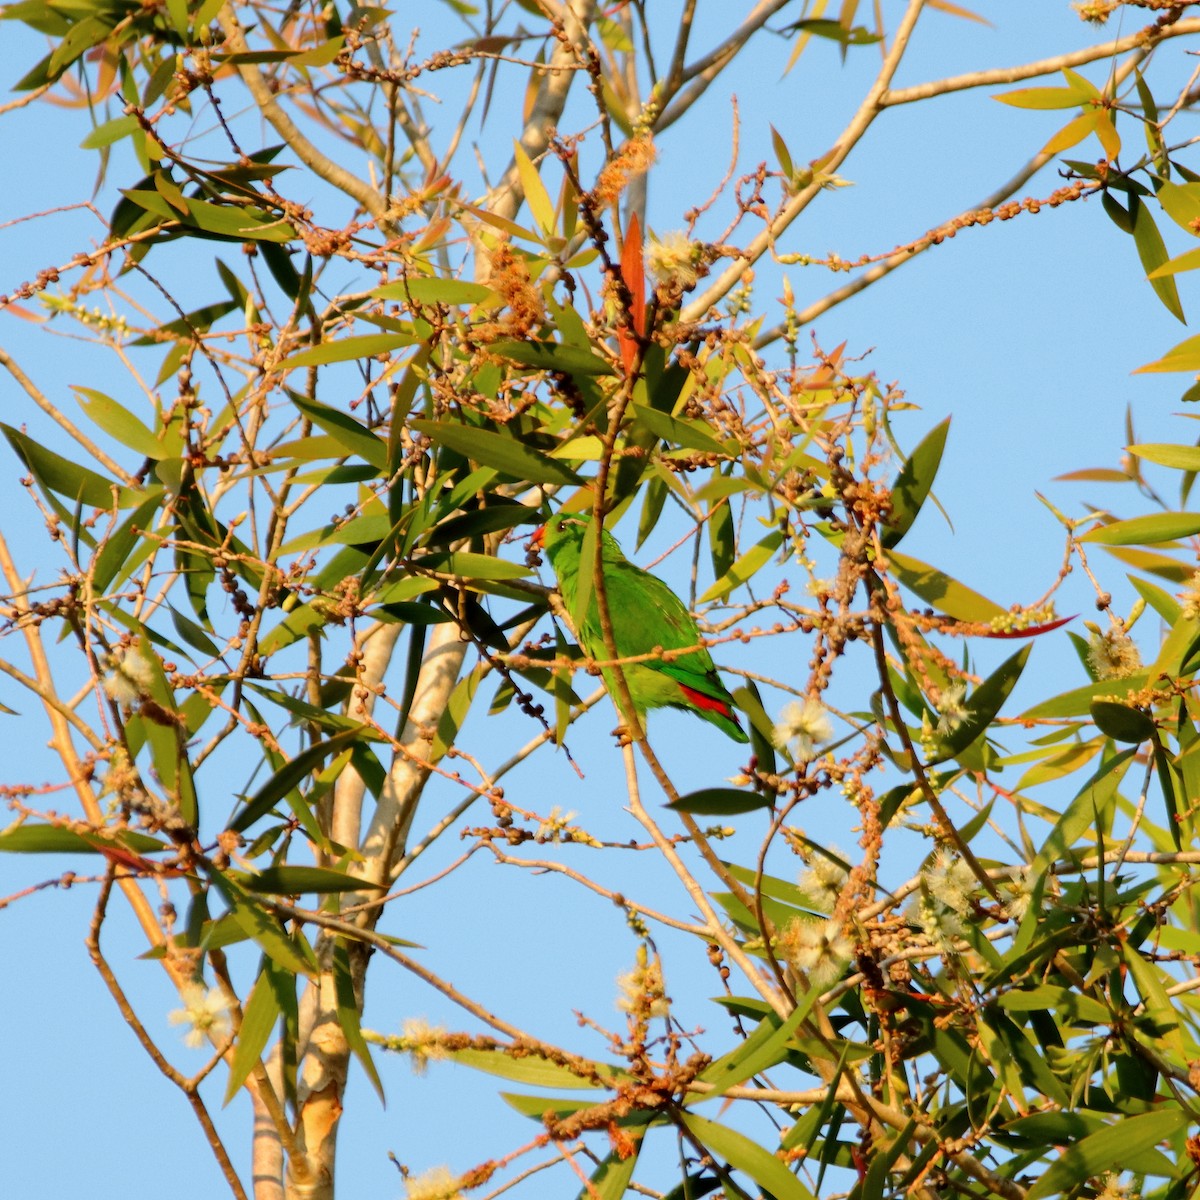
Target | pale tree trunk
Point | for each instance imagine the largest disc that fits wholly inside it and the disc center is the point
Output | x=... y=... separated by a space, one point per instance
x=323 y=1052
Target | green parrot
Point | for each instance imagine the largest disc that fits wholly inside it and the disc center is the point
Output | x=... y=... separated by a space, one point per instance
x=645 y=615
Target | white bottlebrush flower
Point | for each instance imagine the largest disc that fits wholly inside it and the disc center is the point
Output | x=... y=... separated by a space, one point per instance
x=818 y=948
x=1191 y=597
x=439 y=1183
x=802 y=727
x=129 y=676
x=951 y=882
x=671 y=259
x=939 y=923
x=822 y=883
x=205 y=1010
x=423 y=1042
x=944 y=899
x=1113 y=655
x=642 y=990
x=952 y=708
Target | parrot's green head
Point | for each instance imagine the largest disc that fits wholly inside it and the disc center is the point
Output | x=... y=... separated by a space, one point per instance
x=562 y=539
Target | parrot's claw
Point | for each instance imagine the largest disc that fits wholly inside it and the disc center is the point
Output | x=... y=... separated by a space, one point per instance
x=623 y=736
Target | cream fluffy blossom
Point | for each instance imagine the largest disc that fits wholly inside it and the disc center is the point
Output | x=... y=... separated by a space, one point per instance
x=802 y=727
x=207 y=1012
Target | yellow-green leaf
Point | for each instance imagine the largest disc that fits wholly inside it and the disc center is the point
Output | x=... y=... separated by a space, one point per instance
x=536 y=196
x=1040 y=97
x=745 y=567
x=945 y=594
x=1141 y=531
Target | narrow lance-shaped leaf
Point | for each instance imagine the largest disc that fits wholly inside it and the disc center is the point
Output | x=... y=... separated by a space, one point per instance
x=1153 y=253
x=57 y=474
x=913 y=483
x=348 y=1017
x=981 y=707
x=1141 y=531
x=944 y=593
x=357 y=439
x=498 y=450
x=745 y=567
x=290 y=775
x=293 y=954
x=611 y=1179
x=747 y=1156
x=1107 y=1150
x=290 y=881
x=536 y=196
x=259 y=1015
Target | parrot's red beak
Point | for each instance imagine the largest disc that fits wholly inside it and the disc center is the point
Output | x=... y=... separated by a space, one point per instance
x=537 y=537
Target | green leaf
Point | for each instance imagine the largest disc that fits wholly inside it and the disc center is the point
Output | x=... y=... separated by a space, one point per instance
x=765 y=1048
x=1078 y=701
x=741 y=1153
x=1090 y=805
x=31 y=838
x=293 y=954
x=426 y=289
x=982 y=706
x=109 y=132
x=499 y=516
x=946 y=594
x=1140 y=531
x=782 y=154
x=1040 y=98
x=1181 y=202
x=113 y=558
x=357 y=439
x=1184 y=357
x=290 y=881
x=1168 y=454
x=1153 y=253
x=259 y=1015
x=1107 y=1150
x=745 y=568
x=692 y=434
x=291 y=774
x=299 y=623
x=834 y=31
x=477 y=566
x=57 y=474
x=720 y=802
x=166 y=738
x=541 y=207
x=1165 y=605
x=1188 y=261
x=1121 y=722
x=498 y=450
x=913 y=483
x=120 y=423
x=348 y=1017
x=551 y=356
x=611 y=1179
x=366 y=345
x=1066 y=1003
x=232 y=222
x=528 y=1068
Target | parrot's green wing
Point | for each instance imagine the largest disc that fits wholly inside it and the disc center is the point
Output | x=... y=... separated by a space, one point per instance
x=646 y=615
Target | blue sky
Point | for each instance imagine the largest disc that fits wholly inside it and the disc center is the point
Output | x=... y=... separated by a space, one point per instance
x=1026 y=332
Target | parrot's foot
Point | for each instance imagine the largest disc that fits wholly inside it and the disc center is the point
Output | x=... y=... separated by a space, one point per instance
x=623 y=736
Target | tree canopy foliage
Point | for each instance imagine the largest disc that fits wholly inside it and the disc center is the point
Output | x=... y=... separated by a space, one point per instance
x=288 y=602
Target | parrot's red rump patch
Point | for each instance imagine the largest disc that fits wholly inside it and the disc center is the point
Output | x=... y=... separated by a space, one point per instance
x=700 y=700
